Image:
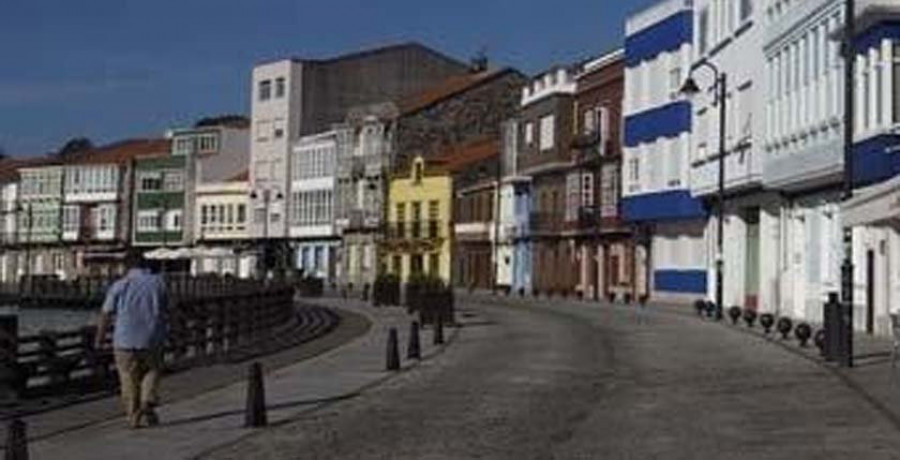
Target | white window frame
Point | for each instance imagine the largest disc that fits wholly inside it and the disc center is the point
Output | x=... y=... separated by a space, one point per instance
x=148 y=220
x=547 y=134
x=173 y=220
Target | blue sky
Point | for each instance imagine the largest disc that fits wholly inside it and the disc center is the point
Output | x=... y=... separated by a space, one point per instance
x=110 y=69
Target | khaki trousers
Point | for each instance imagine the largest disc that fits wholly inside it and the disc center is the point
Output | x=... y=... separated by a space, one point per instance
x=139 y=372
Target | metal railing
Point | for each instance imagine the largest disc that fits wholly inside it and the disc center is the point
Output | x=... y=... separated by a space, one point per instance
x=210 y=319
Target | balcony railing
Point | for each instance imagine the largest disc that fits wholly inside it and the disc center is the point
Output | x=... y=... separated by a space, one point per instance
x=414 y=230
x=545 y=221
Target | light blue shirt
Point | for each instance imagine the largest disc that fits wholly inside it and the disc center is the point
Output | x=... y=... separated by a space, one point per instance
x=139 y=302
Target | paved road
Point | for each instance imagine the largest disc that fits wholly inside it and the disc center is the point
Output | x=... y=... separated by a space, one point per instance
x=582 y=381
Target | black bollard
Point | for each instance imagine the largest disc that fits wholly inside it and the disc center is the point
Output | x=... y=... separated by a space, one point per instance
x=414 y=351
x=255 y=413
x=439 y=330
x=16 y=441
x=393 y=352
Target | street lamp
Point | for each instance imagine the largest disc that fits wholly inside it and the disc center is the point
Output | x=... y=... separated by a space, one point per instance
x=849 y=54
x=691 y=88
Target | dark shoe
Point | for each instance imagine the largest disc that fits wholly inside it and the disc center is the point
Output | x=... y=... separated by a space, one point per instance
x=134 y=421
x=151 y=417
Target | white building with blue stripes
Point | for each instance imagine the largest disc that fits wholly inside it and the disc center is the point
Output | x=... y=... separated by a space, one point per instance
x=656 y=176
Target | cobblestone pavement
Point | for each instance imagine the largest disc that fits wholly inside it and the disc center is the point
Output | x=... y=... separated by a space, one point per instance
x=576 y=380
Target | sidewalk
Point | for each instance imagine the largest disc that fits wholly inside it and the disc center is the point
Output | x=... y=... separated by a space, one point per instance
x=204 y=422
x=871 y=377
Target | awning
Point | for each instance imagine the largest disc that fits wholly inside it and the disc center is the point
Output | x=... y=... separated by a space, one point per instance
x=212 y=252
x=168 y=254
x=875 y=205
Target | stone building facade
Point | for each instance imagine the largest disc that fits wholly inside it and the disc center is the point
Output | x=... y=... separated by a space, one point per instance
x=382 y=138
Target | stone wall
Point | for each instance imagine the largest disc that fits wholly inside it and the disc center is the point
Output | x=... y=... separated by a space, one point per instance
x=474 y=114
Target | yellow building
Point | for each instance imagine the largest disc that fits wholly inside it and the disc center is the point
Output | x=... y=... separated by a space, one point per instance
x=418 y=238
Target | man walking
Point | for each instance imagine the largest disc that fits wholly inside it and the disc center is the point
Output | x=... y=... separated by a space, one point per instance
x=138 y=304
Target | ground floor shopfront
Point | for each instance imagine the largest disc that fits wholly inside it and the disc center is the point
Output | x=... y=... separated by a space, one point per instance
x=678 y=256
x=473 y=264
x=874 y=216
x=609 y=266
x=357 y=262
x=749 y=251
x=317 y=257
x=514 y=266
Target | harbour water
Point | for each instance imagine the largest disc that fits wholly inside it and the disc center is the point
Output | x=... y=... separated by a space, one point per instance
x=33 y=321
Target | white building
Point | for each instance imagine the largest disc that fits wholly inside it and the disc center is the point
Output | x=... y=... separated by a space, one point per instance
x=729 y=35
x=275 y=123
x=803 y=147
x=873 y=212
x=311 y=217
x=215 y=153
x=222 y=229
x=656 y=175
x=298 y=97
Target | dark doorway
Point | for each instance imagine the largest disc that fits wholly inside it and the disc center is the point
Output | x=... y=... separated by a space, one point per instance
x=870 y=291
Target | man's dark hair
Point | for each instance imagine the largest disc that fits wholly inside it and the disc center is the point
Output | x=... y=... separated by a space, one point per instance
x=135 y=259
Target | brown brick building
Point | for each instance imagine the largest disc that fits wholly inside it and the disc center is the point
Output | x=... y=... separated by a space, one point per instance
x=475 y=168
x=605 y=254
x=545 y=136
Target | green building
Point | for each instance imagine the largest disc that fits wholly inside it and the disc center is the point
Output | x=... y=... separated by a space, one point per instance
x=160 y=197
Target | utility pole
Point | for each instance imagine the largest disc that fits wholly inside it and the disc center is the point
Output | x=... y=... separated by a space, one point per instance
x=849 y=53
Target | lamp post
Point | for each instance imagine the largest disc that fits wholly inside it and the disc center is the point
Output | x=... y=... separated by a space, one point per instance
x=849 y=54
x=721 y=87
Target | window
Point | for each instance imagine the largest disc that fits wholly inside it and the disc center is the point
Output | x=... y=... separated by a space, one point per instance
x=895 y=88
x=573 y=195
x=259 y=215
x=590 y=121
x=261 y=171
x=703 y=33
x=587 y=189
x=173 y=181
x=609 y=181
x=746 y=9
x=173 y=220
x=673 y=169
x=633 y=176
x=148 y=221
x=418 y=172
x=263 y=130
x=279 y=87
x=397 y=265
x=71 y=219
x=150 y=181
x=241 y=214
x=401 y=212
x=433 y=208
x=434 y=264
x=313 y=207
x=367 y=257
x=675 y=82
x=529 y=134
x=184 y=146
x=105 y=216
x=547 y=135
x=208 y=143
x=265 y=90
